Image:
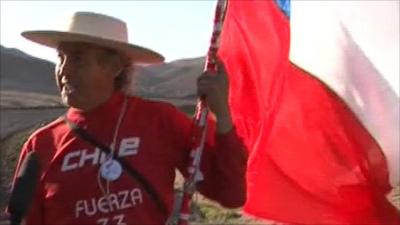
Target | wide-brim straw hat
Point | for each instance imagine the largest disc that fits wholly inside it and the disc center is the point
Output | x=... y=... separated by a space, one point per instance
x=98 y=29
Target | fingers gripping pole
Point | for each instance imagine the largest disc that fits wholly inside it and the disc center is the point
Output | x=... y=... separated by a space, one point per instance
x=181 y=212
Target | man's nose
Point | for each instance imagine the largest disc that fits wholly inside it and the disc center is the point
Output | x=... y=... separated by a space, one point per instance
x=63 y=79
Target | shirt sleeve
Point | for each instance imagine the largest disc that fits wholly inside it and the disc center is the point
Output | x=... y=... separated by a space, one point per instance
x=223 y=163
x=34 y=214
x=224 y=167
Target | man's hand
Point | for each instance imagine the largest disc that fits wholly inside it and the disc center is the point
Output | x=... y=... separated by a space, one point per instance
x=215 y=88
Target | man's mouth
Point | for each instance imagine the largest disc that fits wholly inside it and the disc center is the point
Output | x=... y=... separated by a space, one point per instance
x=68 y=89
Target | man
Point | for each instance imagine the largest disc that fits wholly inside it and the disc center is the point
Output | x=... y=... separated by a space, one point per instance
x=79 y=184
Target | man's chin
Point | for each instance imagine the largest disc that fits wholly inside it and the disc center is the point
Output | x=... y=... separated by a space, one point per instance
x=68 y=101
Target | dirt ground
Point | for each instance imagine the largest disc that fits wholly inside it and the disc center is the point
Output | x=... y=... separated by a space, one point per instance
x=12 y=120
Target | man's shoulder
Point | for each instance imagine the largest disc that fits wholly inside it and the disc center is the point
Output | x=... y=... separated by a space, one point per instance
x=48 y=129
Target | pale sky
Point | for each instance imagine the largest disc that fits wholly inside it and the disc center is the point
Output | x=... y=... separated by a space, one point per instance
x=177 y=29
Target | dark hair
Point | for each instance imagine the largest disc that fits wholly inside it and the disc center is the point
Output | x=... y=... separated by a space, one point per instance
x=123 y=77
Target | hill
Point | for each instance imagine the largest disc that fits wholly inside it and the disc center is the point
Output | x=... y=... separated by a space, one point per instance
x=25 y=79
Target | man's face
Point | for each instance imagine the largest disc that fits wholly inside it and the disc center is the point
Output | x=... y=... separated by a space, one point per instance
x=83 y=82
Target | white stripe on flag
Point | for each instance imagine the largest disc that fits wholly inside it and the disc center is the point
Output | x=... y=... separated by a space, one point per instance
x=353 y=47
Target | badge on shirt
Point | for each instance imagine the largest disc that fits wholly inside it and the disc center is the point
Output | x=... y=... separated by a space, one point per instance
x=111 y=170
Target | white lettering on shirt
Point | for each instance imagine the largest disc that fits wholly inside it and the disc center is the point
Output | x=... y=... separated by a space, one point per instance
x=124 y=200
x=94 y=157
x=119 y=219
x=136 y=196
x=67 y=164
x=79 y=158
x=129 y=146
x=113 y=202
x=103 y=204
x=110 y=220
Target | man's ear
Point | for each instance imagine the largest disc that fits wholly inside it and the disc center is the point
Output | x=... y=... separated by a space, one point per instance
x=114 y=65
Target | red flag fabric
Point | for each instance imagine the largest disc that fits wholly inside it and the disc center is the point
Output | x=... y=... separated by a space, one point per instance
x=311 y=160
x=353 y=47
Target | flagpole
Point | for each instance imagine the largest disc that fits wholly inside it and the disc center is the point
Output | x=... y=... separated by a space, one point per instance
x=181 y=212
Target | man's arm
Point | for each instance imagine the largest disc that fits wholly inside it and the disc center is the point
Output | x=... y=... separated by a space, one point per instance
x=34 y=214
x=225 y=163
x=224 y=168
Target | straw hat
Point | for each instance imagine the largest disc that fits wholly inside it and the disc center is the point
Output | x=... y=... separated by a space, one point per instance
x=98 y=29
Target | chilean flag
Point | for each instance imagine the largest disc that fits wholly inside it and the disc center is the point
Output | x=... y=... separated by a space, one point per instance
x=316 y=100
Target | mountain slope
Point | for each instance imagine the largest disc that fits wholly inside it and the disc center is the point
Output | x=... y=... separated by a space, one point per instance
x=22 y=72
x=27 y=75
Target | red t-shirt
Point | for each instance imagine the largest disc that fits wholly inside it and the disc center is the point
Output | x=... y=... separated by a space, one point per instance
x=154 y=138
